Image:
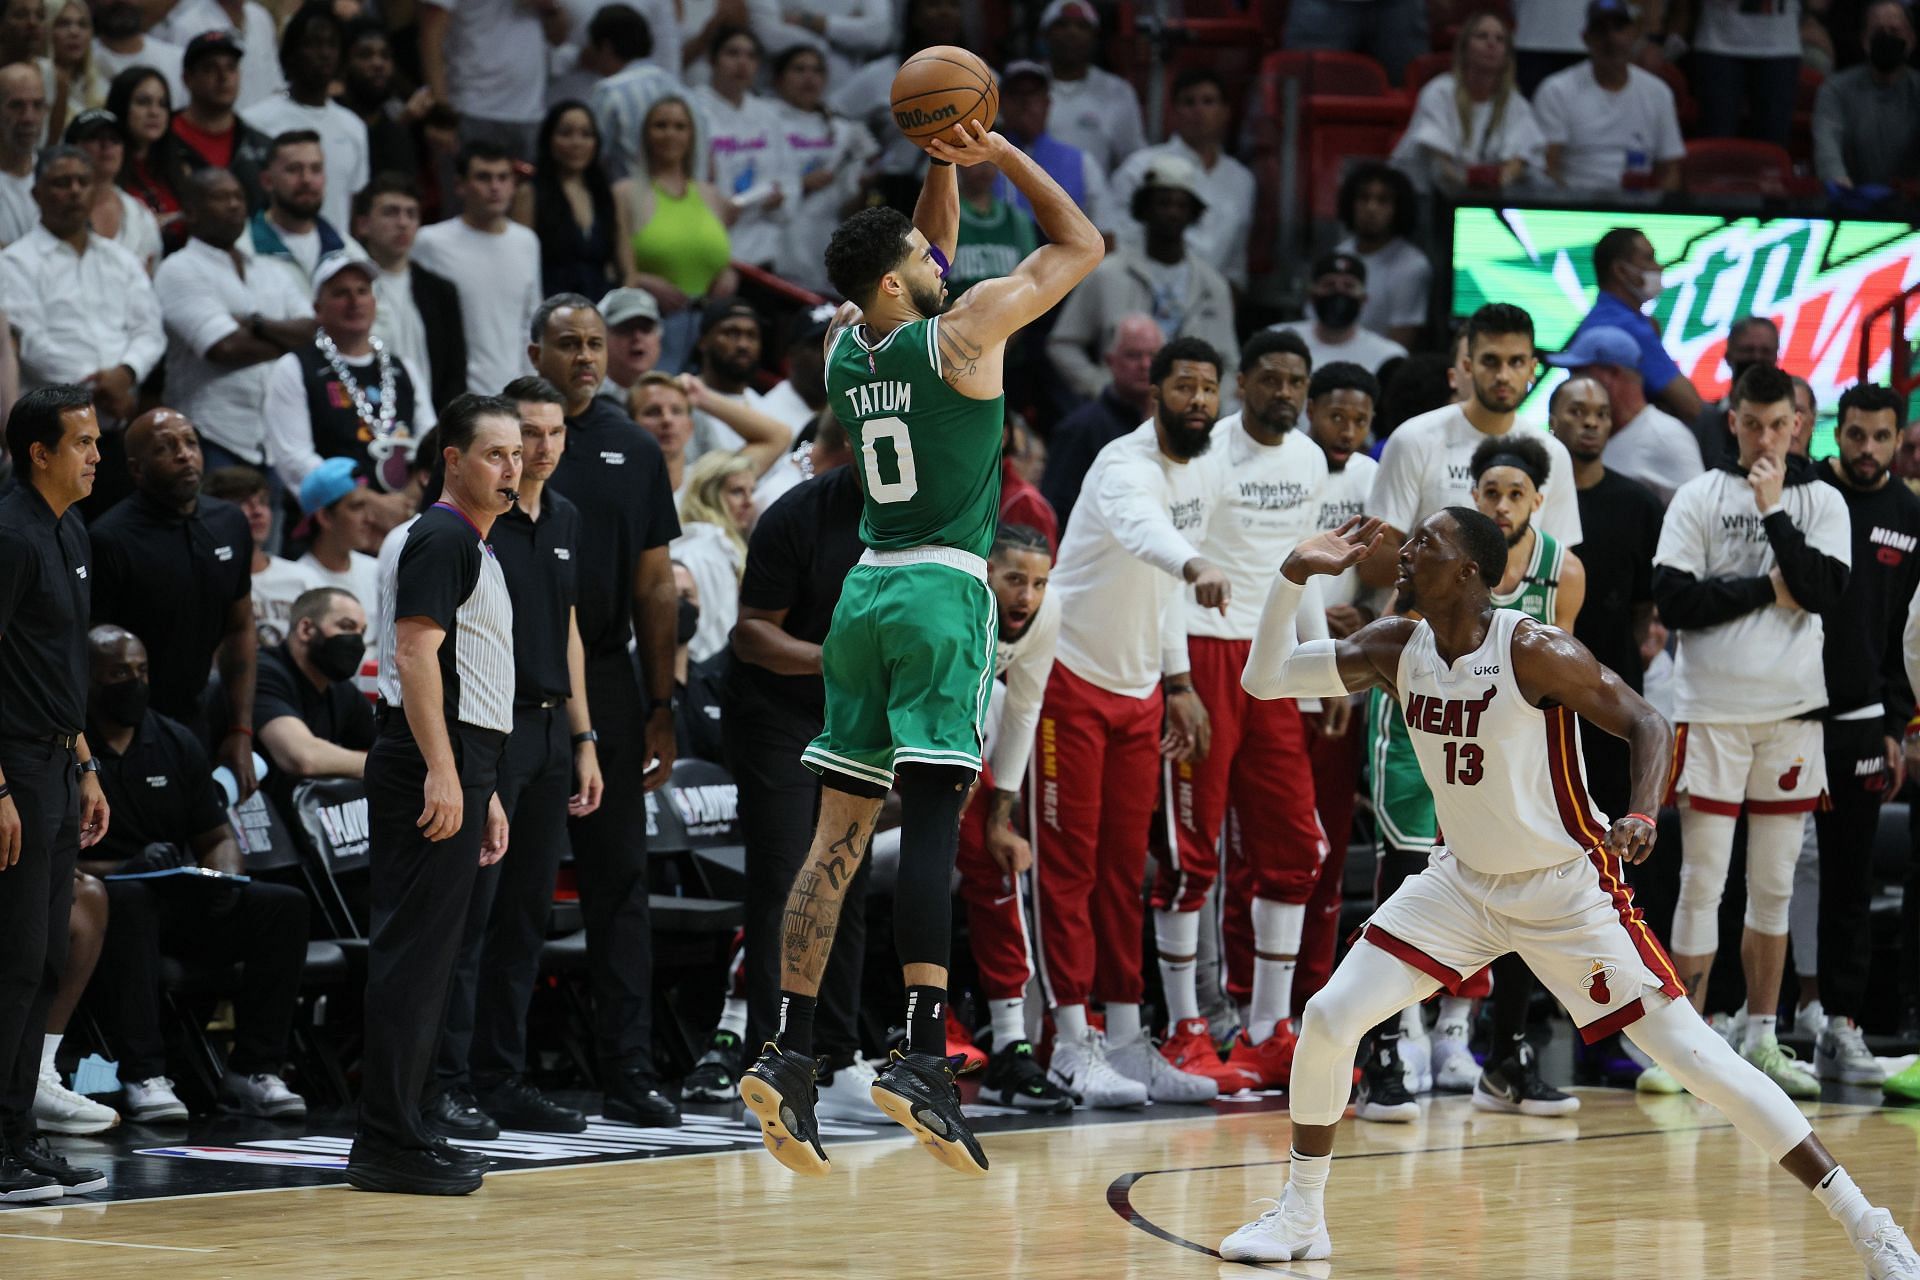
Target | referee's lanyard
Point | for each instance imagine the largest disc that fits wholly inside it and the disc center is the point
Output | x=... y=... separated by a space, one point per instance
x=448 y=506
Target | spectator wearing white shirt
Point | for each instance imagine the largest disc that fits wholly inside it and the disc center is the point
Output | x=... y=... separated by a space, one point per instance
x=1471 y=127
x=827 y=158
x=1200 y=118
x=493 y=261
x=416 y=312
x=1093 y=109
x=487 y=60
x=81 y=308
x=290 y=234
x=310 y=53
x=619 y=41
x=116 y=213
x=23 y=118
x=702 y=21
x=745 y=157
x=1609 y=125
x=1025 y=101
x=260 y=77
x=1336 y=297
x=120 y=42
x=570 y=74
x=1377 y=209
x=865 y=96
x=1747 y=56
x=341 y=517
x=844 y=32
x=1646 y=444
x=228 y=318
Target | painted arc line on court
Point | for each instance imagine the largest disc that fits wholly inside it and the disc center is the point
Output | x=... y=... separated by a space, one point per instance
x=104 y=1244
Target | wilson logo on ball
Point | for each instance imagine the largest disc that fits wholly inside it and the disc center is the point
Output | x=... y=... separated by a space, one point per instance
x=919 y=119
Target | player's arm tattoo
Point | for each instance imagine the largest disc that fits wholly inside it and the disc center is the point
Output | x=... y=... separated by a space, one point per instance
x=813 y=905
x=959 y=354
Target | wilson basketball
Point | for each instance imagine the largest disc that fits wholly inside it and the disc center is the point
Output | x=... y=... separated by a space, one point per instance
x=941 y=87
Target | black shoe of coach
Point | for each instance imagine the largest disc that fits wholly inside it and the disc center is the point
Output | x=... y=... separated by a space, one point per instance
x=634 y=1097
x=412 y=1172
x=515 y=1104
x=454 y=1114
x=460 y=1158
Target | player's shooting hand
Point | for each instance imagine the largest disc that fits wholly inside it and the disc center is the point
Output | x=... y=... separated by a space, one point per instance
x=1631 y=839
x=967 y=143
x=1333 y=551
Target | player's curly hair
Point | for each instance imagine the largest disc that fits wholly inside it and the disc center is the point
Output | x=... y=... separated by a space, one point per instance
x=1483 y=542
x=864 y=248
x=1498 y=451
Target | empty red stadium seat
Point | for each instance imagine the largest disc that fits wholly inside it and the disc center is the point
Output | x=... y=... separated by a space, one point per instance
x=1424 y=68
x=1800 y=140
x=1321 y=71
x=1737 y=166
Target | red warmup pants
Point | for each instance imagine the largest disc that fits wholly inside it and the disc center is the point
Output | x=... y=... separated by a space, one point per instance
x=1099 y=754
x=996 y=906
x=1259 y=762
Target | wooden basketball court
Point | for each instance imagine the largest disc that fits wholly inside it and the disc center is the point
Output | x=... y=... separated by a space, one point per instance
x=1630 y=1187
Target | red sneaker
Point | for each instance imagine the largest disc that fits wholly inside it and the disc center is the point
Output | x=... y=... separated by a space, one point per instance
x=1191 y=1049
x=1267 y=1065
x=960 y=1043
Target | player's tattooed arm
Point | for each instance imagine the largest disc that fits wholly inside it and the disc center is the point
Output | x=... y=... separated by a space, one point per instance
x=960 y=355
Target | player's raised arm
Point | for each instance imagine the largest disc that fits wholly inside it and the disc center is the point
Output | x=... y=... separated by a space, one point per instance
x=937 y=211
x=994 y=310
x=1279 y=666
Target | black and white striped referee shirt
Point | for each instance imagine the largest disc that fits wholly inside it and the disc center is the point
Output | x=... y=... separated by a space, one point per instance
x=436 y=566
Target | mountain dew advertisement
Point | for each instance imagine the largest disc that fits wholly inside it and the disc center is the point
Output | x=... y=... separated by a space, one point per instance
x=1817 y=279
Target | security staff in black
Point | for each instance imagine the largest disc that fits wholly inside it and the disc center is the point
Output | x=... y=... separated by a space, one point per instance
x=615 y=474
x=167 y=552
x=480 y=1069
x=51 y=805
x=1868 y=704
x=446 y=681
x=797 y=559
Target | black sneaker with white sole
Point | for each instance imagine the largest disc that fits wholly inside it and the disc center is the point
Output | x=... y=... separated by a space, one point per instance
x=1511 y=1083
x=916 y=1091
x=716 y=1077
x=1015 y=1078
x=21 y=1185
x=35 y=1155
x=1382 y=1095
x=779 y=1090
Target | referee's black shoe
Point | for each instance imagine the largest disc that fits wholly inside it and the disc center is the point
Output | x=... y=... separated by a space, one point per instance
x=779 y=1090
x=460 y=1157
x=452 y=1113
x=515 y=1104
x=34 y=1154
x=916 y=1091
x=634 y=1097
x=412 y=1171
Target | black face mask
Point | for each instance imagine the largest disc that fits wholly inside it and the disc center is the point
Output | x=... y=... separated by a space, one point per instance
x=1886 y=51
x=1337 y=310
x=1735 y=372
x=123 y=704
x=689 y=622
x=338 y=657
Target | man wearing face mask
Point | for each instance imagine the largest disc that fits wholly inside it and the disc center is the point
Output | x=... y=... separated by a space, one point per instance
x=308 y=714
x=1336 y=298
x=1628 y=273
x=696 y=685
x=1751 y=340
x=1866 y=119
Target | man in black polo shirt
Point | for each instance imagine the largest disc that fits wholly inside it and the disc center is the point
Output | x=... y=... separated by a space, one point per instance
x=775 y=704
x=480 y=1068
x=51 y=805
x=446 y=676
x=168 y=552
x=308 y=714
x=615 y=474
x=172 y=814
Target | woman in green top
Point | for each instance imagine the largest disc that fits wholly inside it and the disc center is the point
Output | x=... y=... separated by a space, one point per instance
x=674 y=226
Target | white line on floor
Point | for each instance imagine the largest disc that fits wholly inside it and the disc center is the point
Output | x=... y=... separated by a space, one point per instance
x=111 y=1244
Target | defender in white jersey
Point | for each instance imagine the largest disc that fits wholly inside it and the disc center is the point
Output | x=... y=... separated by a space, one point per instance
x=1529 y=865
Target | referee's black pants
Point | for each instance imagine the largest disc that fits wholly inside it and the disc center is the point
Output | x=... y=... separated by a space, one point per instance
x=418 y=900
x=779 y=804
x=1846 y=831
x=610 y=861
x=36 y=894
x=485 y=1037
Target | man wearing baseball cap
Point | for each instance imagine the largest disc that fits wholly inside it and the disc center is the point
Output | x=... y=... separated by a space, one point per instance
x=213 y=133
x=1335 y=298
x=1093 y=109
x=633 y=340
x=1609 y=124
x=1647 y=443
x=337 y=514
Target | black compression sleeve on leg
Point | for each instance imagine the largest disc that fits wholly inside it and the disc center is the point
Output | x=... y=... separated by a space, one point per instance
x=1513 y=986
x=931 y=797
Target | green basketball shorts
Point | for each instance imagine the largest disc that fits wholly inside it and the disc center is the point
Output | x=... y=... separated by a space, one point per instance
x=908 y=665
x=1402 y=805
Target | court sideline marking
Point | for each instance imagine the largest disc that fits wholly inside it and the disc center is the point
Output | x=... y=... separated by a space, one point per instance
x=106 y=1244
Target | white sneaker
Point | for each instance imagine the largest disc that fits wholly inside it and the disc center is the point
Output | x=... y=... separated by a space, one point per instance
x=58 y=1109
x=1810 y=1021
x=848 y=1094
x=153 y=1099
x=1080 y=1067
x=1657 y=1079
x=1454 y=1070
x=1288 y=1232
x=1785 y=1069
x=1416 y=1061
x=264 y=1094
x=1142 y=1062
x=1730 y=1027
x=1841 y=1054
x=1883 y=1246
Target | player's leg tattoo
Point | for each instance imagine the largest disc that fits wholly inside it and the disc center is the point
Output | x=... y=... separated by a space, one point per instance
x=813 y=904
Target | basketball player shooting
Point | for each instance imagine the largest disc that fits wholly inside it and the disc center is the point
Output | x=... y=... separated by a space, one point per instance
x=908 y=661
x=1529 y=865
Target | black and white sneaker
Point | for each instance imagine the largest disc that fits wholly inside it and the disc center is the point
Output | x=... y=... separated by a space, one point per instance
x=1015 y=1078
x=36 y=1156
x=716 y=1077
x=779 y=1090
x=1382 y=1096
x=1511 y=1083
x=917 y=1093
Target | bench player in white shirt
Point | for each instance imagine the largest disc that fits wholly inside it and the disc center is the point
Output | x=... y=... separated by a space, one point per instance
x=1529 y=865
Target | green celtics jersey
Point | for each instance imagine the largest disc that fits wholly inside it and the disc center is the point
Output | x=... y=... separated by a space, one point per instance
x=928 y=458
x=1539 y=587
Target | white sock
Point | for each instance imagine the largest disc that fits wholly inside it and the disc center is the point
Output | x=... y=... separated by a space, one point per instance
x=49 y=1048
x=1246 y=1014
x=1276 y=932
x=1069 y=1022
x=734 y=1017
x=1308 y=1176
x=1009 y=1022
x=1123 y=1024
x=1456 y=1009
x=1843 y=1201
x=1759 y=1032
x=1177 y=933
x=1413 y=1023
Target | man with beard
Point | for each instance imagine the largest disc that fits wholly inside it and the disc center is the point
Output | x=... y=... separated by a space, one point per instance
x=290 y=231
x=1121 y=696
x=366 y=90
x=1868 y=705
x=729 y=351
x=310 y=53
x=309 y=716
x=210 y=131
x=248 y=22
x=1268 y=478
x=1647 y=443
x=1426 y=467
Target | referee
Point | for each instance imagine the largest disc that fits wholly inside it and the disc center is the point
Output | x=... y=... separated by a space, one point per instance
x=446 y=684
x=51 y=805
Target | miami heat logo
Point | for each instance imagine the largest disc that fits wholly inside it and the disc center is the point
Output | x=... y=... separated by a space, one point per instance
x=1791 y=778
x=1596 y=982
